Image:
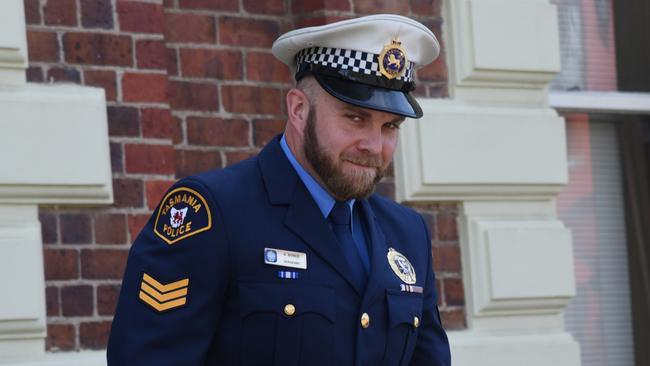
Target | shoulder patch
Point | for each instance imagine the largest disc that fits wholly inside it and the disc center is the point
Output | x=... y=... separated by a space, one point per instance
x=182 y=213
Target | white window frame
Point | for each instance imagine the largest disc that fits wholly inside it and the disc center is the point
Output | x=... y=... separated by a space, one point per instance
x=601 y=102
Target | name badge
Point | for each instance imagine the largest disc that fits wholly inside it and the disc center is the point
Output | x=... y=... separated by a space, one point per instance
x=285 y=258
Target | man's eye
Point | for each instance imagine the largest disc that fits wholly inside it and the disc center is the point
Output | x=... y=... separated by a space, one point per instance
x=393 y=126
x=354 y=117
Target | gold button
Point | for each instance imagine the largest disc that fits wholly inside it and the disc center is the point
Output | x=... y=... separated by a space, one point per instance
x=365 y=320
x=416 y=322
x=289 y=309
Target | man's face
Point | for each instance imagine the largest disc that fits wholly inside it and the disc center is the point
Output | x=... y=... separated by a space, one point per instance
x=349 y=147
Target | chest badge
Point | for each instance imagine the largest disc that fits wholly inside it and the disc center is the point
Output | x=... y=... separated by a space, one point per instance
x=401 y=266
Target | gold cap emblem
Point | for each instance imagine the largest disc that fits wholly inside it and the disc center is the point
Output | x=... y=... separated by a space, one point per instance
x=392 y=60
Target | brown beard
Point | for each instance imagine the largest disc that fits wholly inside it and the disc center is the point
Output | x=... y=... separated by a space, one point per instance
x=342 y=185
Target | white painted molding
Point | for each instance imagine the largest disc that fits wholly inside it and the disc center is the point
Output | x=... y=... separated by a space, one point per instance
x=470 y=348
x=85 y=358
x=460 y=150
x=507 y=251
x=58 y=139
x=600 y=102
x=13 y=43
x=22 y=309
x=55 y=150
x=501 y=44
x=498 y=149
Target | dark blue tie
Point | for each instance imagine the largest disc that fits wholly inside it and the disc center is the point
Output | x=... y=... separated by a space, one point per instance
x=340 y=218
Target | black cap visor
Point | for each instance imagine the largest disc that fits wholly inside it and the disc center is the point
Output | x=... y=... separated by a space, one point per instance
x=372 y=97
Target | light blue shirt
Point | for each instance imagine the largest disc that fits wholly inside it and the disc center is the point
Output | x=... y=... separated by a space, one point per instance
x=326 y=202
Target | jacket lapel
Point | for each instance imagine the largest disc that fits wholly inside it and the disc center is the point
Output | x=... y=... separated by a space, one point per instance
x=277 y=173
x=304 y=218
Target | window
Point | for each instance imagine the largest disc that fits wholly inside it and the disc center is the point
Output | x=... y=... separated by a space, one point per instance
x=593 y=207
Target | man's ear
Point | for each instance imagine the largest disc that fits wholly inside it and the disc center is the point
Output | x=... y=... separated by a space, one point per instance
x=297 y=108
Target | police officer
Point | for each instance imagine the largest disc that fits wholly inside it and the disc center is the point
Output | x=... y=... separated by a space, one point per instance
x=289 y=258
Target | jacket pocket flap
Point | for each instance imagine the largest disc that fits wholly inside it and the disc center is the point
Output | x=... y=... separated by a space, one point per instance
x=256 y=297
x=403 y=307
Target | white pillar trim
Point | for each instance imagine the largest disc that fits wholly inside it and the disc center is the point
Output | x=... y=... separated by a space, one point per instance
x=55 y=151
x=13 y=43
x=498 y=149
x=84 y=358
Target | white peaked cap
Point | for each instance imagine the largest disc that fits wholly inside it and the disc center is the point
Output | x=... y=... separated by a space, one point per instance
x=368 y=34
x=367 y=61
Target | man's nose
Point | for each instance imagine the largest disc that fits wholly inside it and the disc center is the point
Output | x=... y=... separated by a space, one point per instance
x=371 y=141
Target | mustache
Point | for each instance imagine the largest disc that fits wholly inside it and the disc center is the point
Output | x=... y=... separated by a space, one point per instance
x=371 y=161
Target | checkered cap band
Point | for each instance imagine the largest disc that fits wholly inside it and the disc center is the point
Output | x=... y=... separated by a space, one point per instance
x=357 y=61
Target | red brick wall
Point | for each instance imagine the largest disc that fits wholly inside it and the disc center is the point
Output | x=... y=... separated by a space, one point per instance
x=190 y=85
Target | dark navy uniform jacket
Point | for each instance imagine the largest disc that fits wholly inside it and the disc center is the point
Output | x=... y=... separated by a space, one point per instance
x=197 y=290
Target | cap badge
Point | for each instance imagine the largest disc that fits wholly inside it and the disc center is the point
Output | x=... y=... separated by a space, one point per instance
x=392 y=60
x=401 y=266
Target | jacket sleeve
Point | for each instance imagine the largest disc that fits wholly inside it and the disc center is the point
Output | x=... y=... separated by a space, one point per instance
x=173 y=287
x=432 y=347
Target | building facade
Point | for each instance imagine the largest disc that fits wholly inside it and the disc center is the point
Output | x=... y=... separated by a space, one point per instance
x=118 y=99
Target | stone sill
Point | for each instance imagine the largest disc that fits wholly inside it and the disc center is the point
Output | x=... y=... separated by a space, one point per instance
x=84 y=358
